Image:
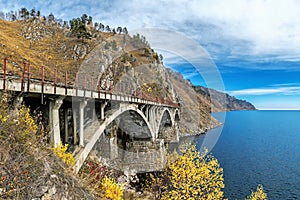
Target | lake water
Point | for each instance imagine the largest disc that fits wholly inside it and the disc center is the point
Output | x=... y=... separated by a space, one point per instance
x=259 y=147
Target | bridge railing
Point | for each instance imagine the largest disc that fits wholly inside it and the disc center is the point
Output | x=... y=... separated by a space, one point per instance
x=26 y=75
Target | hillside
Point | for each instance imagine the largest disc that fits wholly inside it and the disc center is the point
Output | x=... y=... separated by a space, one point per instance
x=28 y=167
x=107 y=56
x=195 y=112
x=223 y=102
x=115 y=58
x=198 y=102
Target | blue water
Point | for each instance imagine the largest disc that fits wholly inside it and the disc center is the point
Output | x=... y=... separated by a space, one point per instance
x=260 y=147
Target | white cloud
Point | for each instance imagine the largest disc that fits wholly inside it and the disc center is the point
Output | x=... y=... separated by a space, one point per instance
x=271 y=26
x=236 y=28
x=258 y=28
x=295 y=90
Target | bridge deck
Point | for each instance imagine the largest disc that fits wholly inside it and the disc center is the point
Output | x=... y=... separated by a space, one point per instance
x=83 y=86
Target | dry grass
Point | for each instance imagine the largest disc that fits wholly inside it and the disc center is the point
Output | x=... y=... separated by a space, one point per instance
x=46 y=52
x=55 y=50
x=28 y=167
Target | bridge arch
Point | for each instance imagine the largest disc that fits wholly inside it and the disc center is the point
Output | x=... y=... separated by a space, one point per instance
x=135 y=123
x=166 y=113
x=89 y=146
x=166 y=122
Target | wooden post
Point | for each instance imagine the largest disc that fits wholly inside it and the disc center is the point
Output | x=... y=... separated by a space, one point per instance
x=28 y=78
x=4 y=75
x=43 y=79
x=23 y=77
x=55 y=80
x=66 y=83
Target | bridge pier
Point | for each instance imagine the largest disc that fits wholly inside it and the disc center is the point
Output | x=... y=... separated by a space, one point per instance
x=113 y=147
x=82 y=105
x=75 y=126
x=152 y=115
x=103 y=105
x=147 y=113
x=54 y=106
x=67 y=114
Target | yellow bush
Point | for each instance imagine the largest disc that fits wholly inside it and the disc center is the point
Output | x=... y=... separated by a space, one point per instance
x=192 y=176
x=2 y=118
x=60 y=151
x=112 y=190
x=259 y=194
x=26 y=122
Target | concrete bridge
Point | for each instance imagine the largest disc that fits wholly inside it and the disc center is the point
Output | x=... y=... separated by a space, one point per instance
x=123 y=126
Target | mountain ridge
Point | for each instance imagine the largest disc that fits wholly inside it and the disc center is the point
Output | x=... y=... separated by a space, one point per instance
x=231 y=103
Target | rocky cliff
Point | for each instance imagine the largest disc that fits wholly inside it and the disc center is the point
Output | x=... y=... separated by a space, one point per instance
x=198 y=102
x=223 y=102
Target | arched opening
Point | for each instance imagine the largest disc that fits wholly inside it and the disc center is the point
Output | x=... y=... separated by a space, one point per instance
x=165 y=127
x=126 y=134
x=134 y=124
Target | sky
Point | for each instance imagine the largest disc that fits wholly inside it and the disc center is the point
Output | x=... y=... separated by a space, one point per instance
x=253 y=45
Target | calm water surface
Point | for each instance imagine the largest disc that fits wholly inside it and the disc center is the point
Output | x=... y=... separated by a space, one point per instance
x=260 y=147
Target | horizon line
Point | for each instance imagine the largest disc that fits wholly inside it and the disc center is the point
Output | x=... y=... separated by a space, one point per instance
x=298 y=109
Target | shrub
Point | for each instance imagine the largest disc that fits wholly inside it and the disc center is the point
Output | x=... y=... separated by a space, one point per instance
x=60 y=151
x=259 y=194
x=3 y=119
x=190 y=175
x=111 y=189
x=26 y=122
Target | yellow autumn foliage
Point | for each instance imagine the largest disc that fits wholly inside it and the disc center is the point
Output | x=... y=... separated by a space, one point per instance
x=60 y=151
x=111 y=189
x=259 y=194
x=192 y=176
x=26 y=122
x=2 y=118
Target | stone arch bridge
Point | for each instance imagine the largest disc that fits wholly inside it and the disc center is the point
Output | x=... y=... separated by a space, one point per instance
x=125 y=129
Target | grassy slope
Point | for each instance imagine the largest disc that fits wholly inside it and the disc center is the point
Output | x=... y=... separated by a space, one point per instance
x=195 y=112
x=45 y=52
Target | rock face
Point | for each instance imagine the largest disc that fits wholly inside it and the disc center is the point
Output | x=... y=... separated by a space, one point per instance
x=37 y=29
x=198 y=102
x=195 y=111
x=222 y=101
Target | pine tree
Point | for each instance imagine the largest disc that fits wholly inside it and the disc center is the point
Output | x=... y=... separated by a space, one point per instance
x=125 y=30
x=78 y=27
x=32 y=12
x=24 y=13
x=119 y=30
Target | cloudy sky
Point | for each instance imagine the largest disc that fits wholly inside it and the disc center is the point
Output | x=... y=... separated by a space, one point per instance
x=253 y=44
